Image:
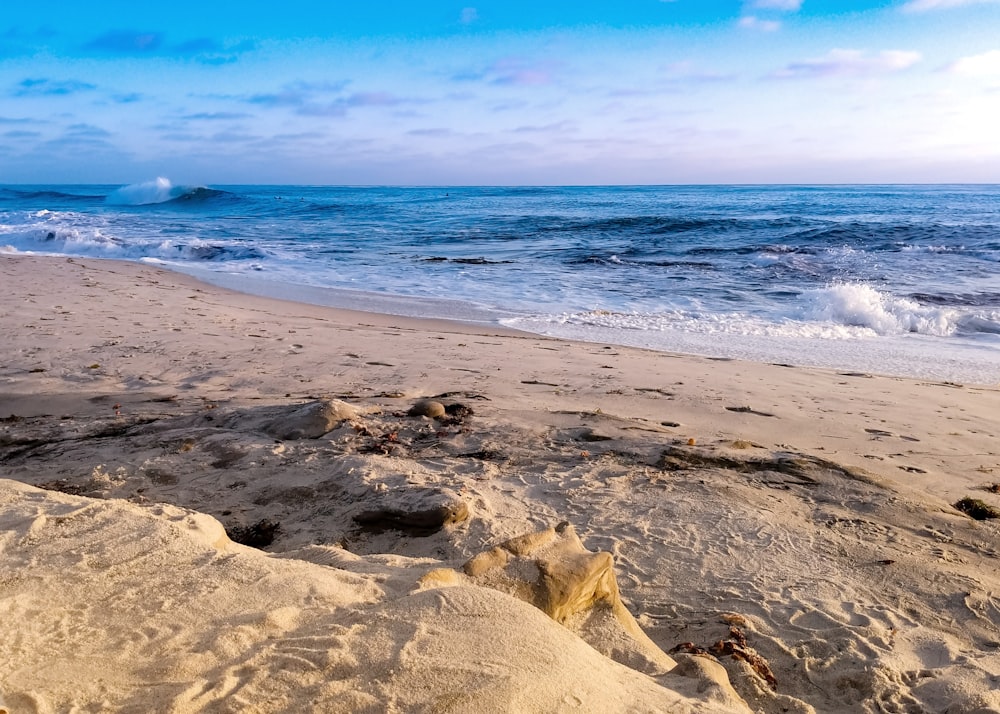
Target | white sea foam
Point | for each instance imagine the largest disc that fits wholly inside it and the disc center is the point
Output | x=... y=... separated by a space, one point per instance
x=911 y=355
x=57 y=232
x=729 y=323
x=71 y=233
x=846 y=311
x=861 y=305
x=932 y=248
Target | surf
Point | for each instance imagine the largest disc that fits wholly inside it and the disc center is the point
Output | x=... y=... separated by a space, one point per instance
x=158 y=191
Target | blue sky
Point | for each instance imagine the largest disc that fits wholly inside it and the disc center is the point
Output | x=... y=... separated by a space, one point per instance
x=500 y=92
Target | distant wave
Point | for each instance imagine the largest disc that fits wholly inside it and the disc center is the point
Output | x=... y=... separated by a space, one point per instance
x=980 y=299
x=465 y=261
x=43 y=195
x=905 y=236
x=664 y=225
x=161 y=190
x=616 y=259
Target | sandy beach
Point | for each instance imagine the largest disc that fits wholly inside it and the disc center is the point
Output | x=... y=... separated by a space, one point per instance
x=211 y=501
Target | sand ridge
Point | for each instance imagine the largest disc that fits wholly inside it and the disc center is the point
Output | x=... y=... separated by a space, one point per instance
x=810 y=507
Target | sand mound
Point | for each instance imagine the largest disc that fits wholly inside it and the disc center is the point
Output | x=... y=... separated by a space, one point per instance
x=126 y=608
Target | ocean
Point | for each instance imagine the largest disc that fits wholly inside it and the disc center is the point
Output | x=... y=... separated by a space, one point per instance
x=897 y=280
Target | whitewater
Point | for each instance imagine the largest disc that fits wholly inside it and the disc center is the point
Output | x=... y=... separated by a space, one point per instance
x=899 y=280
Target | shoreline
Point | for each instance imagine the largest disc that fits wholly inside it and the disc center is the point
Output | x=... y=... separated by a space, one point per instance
x=897 y=356
x=813 y=506
x=859 y=300
x=746 y=383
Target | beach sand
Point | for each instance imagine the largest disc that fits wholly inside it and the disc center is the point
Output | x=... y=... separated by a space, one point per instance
x=783 y=539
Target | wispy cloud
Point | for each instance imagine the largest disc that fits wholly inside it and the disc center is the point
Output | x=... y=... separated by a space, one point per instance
x=560 y=127
x=468 y=15
x=927 y=5
x=520 y=72
x=985 y=64
x=233 y=137
x=217 y=116
x=209 y=51
x=373 y=99
x=850 y=63
x=326 y=99
x=786 y=5
x=50 y=87
x=297 y=94
x=87 y=130
x=78 y=142
x=511 y=71
x=752 y=22
x=299 y=135
x=81 y=142
x=436 y=133
x=339 y=106
x=142 y=43
x=126 y=42
x=288 y=97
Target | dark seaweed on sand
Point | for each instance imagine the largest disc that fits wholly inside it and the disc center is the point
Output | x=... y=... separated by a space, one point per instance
x=977 y=509
x=259 y=535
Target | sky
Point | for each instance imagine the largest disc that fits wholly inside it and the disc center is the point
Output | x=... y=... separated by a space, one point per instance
x=490 y=92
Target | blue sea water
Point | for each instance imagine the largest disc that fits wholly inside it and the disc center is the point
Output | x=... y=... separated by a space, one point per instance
x=901 y=280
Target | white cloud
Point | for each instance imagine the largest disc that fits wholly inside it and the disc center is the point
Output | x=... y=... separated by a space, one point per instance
x=925 y=5
x=841 y=63
x=988 y=63
x=787 y=5
x=750 y=22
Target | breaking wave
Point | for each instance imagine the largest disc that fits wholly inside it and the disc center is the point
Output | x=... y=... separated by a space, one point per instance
x=161 y=190
x=861 y=305
x=70 y=233
x=837 y=312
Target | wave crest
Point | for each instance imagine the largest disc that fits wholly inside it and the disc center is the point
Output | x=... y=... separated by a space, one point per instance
x=860 y=305
x=844 y=311
x=160 y=190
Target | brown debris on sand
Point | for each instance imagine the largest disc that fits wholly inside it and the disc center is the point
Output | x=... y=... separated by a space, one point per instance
x=415 y=511
x=806 y=469
x=737 y=647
